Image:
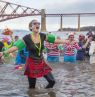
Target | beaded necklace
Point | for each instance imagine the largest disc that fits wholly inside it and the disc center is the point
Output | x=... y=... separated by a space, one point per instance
x=38 y=47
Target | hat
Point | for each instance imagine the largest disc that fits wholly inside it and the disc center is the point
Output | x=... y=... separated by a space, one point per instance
x=71 y=34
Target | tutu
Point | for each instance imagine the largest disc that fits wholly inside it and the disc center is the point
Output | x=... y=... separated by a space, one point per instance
x=36 y=68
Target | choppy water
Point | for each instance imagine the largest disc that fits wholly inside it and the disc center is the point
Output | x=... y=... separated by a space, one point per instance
x=72 y=80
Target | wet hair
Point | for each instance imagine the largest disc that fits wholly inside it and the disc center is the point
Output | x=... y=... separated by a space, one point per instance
x=30 y=24
x=70 y=34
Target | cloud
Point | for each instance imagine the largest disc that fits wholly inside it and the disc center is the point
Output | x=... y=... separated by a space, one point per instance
x=69 y=7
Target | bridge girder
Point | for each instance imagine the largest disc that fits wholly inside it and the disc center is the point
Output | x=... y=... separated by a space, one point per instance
x=11 y=11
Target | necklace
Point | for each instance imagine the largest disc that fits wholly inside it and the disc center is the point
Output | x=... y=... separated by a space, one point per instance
x=38 y=47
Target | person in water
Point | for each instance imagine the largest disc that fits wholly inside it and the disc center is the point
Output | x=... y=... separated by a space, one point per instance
x=81 y=53
x=21 y=56
x=35 y=65
x=70 y=48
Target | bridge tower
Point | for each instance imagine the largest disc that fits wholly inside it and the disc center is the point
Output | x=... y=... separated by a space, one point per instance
x=61 y=23
x=43 y=20
x=78 y=23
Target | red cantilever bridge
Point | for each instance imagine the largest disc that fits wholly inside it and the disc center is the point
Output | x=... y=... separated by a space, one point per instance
x=11 y=11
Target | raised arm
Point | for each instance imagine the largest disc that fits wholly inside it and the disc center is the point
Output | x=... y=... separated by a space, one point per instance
x=86 y=44
x=51 y=38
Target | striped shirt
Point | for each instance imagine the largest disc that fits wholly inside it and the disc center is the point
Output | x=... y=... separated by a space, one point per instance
x=70 y=48
x=52 y=49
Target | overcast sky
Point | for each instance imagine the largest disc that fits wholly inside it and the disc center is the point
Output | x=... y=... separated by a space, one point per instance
x=54 y=6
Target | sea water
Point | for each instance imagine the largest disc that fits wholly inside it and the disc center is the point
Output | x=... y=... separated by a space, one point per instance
x=62 y=35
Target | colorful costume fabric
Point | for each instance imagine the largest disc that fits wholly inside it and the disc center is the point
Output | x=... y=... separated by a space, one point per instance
x=36 y=68
x=52 y=52
x=21 y=57
x=69 y=52
x=81 y=52
x=7 y=45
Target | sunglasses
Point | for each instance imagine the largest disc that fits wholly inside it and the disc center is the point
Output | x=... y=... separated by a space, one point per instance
x=71 y=37
x=36 y=23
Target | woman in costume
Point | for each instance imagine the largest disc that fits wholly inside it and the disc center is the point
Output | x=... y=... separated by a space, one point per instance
x=52 y=52
x=81 y=53
x=35 y=65
x=7 y=44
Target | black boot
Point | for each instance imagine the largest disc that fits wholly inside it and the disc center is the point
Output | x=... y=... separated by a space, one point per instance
x=49 y=77
x=32 y=82
x=50 y=85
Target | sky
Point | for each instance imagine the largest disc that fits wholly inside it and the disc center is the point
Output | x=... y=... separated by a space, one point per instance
x=53 y=6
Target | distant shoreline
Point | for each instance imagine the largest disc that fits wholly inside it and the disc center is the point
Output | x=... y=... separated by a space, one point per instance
x=85 y=28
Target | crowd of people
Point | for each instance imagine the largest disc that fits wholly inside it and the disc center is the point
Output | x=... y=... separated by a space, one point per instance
x=72 y=49
x=20 y=56
x=31 y=47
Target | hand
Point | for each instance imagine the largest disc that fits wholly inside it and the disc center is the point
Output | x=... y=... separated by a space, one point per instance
x=11 y=55
x=1 y=54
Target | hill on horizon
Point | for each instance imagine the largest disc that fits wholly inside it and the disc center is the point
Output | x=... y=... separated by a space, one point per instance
x=85 y=28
